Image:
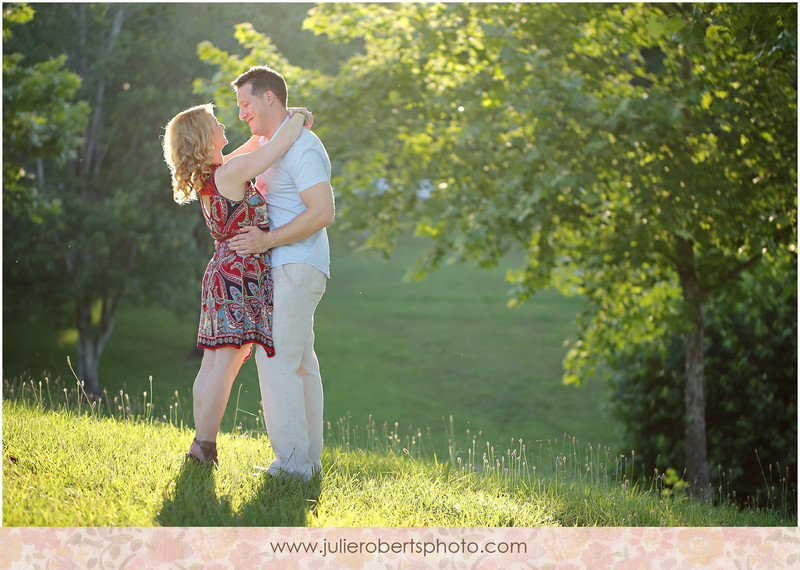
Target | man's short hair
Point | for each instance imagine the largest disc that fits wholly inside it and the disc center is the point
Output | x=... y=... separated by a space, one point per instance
x=262 y=79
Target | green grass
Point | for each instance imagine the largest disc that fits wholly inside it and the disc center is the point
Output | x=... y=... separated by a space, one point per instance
x=443 y=407
x=412 y=353
x=67 y=463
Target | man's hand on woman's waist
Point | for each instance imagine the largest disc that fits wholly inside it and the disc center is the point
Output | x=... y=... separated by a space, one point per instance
x=250 y=240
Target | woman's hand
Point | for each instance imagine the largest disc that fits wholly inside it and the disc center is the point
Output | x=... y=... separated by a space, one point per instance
x=309 y=117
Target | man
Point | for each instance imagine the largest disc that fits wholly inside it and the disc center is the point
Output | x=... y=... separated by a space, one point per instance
x=301 y=205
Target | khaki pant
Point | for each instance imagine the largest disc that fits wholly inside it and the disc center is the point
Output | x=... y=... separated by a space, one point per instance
x=291 y=385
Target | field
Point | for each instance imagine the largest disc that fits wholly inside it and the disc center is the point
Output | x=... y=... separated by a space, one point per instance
x=444 y=408
x=76 y=466
x=410 y=353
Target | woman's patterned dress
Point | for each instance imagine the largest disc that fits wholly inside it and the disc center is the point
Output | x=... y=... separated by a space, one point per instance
x=237 y=290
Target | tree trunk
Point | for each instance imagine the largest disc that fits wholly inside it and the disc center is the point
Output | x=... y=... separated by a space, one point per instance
x=92 y=340
x=88 y=364
x=93 y=149
x=696 y=448
x=93 y=337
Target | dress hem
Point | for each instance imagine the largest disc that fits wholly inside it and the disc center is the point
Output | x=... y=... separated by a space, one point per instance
x=268 y=349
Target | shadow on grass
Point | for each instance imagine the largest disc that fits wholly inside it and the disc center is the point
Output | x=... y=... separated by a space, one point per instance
x=194 y=501
x=278 y=501
x=281 y=501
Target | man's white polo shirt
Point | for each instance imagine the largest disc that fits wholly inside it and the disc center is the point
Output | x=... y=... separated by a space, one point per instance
x=304 y=165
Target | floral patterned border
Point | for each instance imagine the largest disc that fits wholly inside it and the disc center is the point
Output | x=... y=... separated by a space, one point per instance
x=561 y=548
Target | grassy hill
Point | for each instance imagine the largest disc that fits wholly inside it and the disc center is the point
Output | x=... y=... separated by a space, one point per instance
x=406 y=353
x=443 y=407
x=75 y=465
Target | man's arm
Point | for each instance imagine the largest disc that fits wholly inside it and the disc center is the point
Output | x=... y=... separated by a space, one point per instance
x=319 y=213
x=252 y=143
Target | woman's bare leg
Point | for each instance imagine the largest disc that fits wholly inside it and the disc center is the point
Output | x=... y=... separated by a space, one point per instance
x=212 y=388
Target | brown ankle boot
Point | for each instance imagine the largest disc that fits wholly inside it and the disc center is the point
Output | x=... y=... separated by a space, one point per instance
x=203 y=451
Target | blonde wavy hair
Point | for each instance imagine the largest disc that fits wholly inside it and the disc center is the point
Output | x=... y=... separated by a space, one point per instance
x=188 y=151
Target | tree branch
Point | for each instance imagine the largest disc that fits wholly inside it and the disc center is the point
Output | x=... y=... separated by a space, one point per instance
x=733 y=273
x=646 y=80
x=93 y=150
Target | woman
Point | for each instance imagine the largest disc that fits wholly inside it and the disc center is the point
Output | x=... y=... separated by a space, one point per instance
x=237 y=290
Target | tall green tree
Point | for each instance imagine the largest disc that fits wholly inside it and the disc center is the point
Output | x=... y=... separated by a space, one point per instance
x=91 y=224
x=643 y=155
x=117 y=234
x=41 y=121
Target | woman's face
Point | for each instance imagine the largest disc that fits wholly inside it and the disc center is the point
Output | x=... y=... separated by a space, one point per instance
x=218 y=138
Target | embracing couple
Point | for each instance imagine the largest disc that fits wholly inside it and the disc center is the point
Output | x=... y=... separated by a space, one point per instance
x=270 y=266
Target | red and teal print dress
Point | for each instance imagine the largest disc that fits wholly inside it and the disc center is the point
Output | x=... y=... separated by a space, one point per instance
x=237 y=290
